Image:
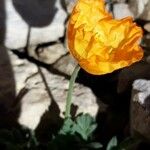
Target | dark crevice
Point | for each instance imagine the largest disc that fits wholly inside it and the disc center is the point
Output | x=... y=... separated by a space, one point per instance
x=50 y=68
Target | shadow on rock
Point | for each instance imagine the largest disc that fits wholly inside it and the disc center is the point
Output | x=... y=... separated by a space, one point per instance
x=113 y=92
x=2 y=21
x=7 y=89
x=51 y=120
x=36 y=13
x=7 y=82
x=113 y=110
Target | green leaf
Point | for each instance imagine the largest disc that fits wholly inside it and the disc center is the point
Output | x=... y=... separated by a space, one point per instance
x=67 y=127
x=112 y=144
x=85 y=125
x=95 y=145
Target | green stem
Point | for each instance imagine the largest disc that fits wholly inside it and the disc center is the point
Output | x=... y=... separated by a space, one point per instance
x=33 y=140
x=70 y=91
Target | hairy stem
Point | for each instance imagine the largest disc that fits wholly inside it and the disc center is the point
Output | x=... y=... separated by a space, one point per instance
x=70 y=91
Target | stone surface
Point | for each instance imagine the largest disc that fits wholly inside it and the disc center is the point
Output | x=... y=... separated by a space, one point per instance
x=56 y=54
x=23 y=69
x=33 y=105
x=70 y=4
x=140 y=108
x=48 y=54
x=131 y=73
x=146 y=12
x=143 y=88
x=138 y=7
x=118 y=1
x=18 y=22
x=147 y=27
x=121 y=10
x=7 y=82
x=66 y=64
x=38 y=99
x=146 y=41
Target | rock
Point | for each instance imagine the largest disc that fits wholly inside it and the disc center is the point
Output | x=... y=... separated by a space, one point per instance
x=138 y=7
x=143 y=88
x=147 y=27
x=123 y=8
x=140 y=108
x=82 y=96
x=146 y=13
x=33 y=105
x=45 y=88
x=66 y=64
x=148 y=59
x=56 y=55
x=129 y=74
x=7 y=82
x=20 y=24
x=2 y=21
x=146 y=40
x=48 y=54
x=70 y=4
x=23 y=69
x=117 y=1
x=37 y=100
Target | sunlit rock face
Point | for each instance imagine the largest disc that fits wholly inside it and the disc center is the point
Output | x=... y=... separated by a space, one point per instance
x=140 y=108
x=140 y=8
x=40 y=21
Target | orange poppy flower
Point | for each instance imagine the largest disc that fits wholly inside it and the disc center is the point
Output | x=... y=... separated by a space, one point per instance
x=100 y=43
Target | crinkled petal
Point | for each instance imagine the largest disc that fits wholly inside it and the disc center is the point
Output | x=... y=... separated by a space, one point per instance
x=100 y=43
